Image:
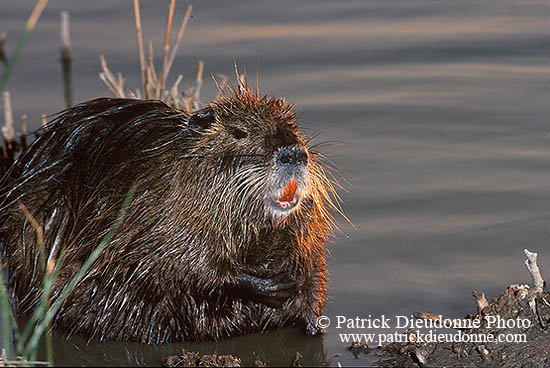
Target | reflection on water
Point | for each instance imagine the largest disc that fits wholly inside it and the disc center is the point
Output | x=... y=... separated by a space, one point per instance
x=276 y=347
x=442 y=108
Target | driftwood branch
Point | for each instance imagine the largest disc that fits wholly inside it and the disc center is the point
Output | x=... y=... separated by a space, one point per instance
x=533 y=268
x=538 y=282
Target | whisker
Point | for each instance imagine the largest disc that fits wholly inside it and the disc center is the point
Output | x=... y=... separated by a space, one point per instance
x=325 y=144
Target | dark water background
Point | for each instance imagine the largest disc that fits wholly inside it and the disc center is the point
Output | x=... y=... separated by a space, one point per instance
x=443 y=108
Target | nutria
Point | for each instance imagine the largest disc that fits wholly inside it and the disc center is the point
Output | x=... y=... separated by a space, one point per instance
x=225 y=234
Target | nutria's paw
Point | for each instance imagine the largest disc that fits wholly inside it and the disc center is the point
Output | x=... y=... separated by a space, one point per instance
x=272 y=292
x=312 y=328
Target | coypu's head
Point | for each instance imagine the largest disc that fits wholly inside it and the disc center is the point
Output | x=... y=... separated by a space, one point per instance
x=270 y=173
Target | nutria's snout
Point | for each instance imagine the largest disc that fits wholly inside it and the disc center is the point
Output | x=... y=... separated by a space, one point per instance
x=292 y=156
x=291 y=180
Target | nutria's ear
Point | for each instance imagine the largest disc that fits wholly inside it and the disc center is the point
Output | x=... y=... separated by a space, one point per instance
x=203 y=119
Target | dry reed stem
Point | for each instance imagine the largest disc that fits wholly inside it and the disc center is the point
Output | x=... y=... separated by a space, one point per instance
x=149 y=91
x=115 y=85
x=120 y=80
x=35 y=15
x=154 y=80
x=23 y=138
x=34 y=223
x=178 y=42
x=66 y=59
x=143 y=67
x=220 y=86
x=24 y=124
x=3 y=37
x=106 y=82
x=167 y=37
x=65 y=36
x=187 y=102
x=197 y=91
x=174 y=91
x=8 y=130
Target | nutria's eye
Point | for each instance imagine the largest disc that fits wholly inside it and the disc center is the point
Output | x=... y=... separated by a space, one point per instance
x=203 y=119
x=238 y=133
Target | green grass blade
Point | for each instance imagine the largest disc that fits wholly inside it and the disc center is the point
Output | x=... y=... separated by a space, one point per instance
x=12 y=60
x=38 y=312
x=8 y=319
x=45 y=322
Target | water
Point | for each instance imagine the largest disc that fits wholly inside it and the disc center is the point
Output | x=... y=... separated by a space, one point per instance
x=442 y=111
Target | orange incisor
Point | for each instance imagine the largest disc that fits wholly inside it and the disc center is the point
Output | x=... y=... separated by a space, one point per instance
x=289 y=191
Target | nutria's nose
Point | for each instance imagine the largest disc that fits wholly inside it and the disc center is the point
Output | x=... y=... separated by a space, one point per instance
x=292 y=156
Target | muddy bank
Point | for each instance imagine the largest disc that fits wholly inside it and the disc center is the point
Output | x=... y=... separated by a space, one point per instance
x=512 y=330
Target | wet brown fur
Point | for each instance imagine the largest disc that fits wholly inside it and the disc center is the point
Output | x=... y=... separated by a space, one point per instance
x=197 y=219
